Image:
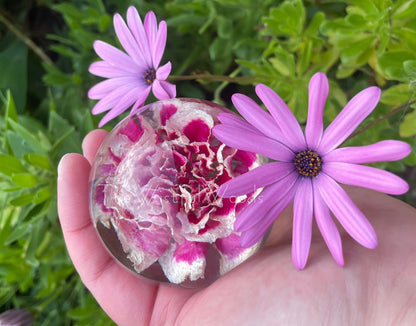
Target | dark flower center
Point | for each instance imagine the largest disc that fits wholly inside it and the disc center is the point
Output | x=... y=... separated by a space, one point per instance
x=149 y=76
x=308 y=163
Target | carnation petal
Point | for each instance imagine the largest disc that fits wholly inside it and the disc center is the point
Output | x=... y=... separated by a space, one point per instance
x=327 y=227
x=283 y=116
x=259 y=177
x=163 y=90
x=347 y=213
x=233 y=120
x=386 y=150
x=302 y=222
x=356 y=110
x=318 y=92
x=257 y=117
x=366 y=176
x=163 y=72
x=252 y=214
x=104 y=69
x=252 y=142
x=160 y=43
x=115 y=57
x=137 y=29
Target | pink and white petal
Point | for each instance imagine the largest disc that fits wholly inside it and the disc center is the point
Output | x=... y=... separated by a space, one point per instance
x=327 y=227
x=184 y=261
x=163 y=90
x=150 y=26
x=356 y=110
x=347 y=213
x=302 y=222
x=159 y=45
x=318 y=92
x=366 y=176
x=257 y=210
x=115 y=57
x=257 y=117
x=259 y=177
x=105 y=87
x=104 y=69
x=137 y=29
x=138 y=105
x=231 y=119
x=254 y=142
x=386 y=150
x=254 y=234
x=232 y=253
x=128 y=41
x=162 y=73
x=283 y=116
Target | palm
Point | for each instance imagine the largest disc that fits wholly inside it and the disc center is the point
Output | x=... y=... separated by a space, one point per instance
x=266 y=289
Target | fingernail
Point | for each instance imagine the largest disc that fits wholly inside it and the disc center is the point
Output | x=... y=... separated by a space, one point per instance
x=60 y=165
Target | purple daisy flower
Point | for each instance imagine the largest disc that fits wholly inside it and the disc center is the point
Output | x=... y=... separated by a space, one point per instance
x=308 y=167
x=131 y=76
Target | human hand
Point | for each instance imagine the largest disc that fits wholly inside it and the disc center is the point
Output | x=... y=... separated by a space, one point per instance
x=375 y=286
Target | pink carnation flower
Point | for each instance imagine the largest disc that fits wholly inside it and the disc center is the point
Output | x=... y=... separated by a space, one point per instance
x=131 y=76
x=308 y=167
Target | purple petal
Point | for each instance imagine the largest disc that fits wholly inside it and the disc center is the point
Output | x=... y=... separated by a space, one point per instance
x=163 y=90
x=386 y=150
x=252 y=142
x=110 y=99
x=127 y=41
x=257 y=117
x=327 y=227
x=356 y=110
x=160 y=43
x=163 y=72
x=318 y=92
x=137 y=29
x=347 y=213
x=137 y=107
x=366 y=176
x=104 y=69
x=257 y=178
x=115 y=57
x=302 y=222
x=283 y=116
x=272 y=194
x=150 y=26
x=233 y=120
x=107 y=86
x=254 y=234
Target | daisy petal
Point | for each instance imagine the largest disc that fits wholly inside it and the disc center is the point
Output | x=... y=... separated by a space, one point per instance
x=366 y=176
x=127 y=41
x=302 y=222
x=356 y=110
x=160 y=43
x=256 y=116
x=137 y=29
x=283 y=116
x=233 y=120
x=257 y=178
x=163 y=72
x=110 y=99
x=327 y=227
x=104 y=69
x=386 y=150
x=150 y=26
x=253 y=142
x=136 y=109
x=347 y=213
x=318 y=92
x=163 y=90
x=252 y=214
x=253 y=235
x=115 y=57
x=107 y=86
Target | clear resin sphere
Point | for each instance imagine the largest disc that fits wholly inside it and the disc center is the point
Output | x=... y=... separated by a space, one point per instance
x=154 y=195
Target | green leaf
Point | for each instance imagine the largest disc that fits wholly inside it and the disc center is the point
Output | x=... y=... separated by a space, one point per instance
x=10 y=165
x=408 y=126
x=284 y=62
x=22 y=200
x=397 y=94
x=286 y=20
x=11 y=112
x=38 y=160
x=409 y=67
x=42 y=195
x=26 y=180
x=391 y=63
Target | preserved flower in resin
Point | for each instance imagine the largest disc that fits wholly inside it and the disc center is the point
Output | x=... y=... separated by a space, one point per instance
x=154 y=193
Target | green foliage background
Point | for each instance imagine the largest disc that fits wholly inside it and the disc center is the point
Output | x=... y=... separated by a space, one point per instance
x=217 y=48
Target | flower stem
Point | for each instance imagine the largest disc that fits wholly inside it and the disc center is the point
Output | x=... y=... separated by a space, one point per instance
x=216 y=78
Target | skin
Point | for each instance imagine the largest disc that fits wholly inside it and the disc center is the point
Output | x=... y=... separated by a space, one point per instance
x=376 y=287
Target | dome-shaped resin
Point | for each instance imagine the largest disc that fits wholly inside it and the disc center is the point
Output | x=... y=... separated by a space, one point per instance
x=154 y=193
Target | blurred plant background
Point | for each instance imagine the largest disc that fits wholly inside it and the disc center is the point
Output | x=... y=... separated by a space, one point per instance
x=217 y=48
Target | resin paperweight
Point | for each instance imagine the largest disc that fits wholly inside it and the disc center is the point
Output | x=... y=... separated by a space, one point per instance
x=154 y=195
